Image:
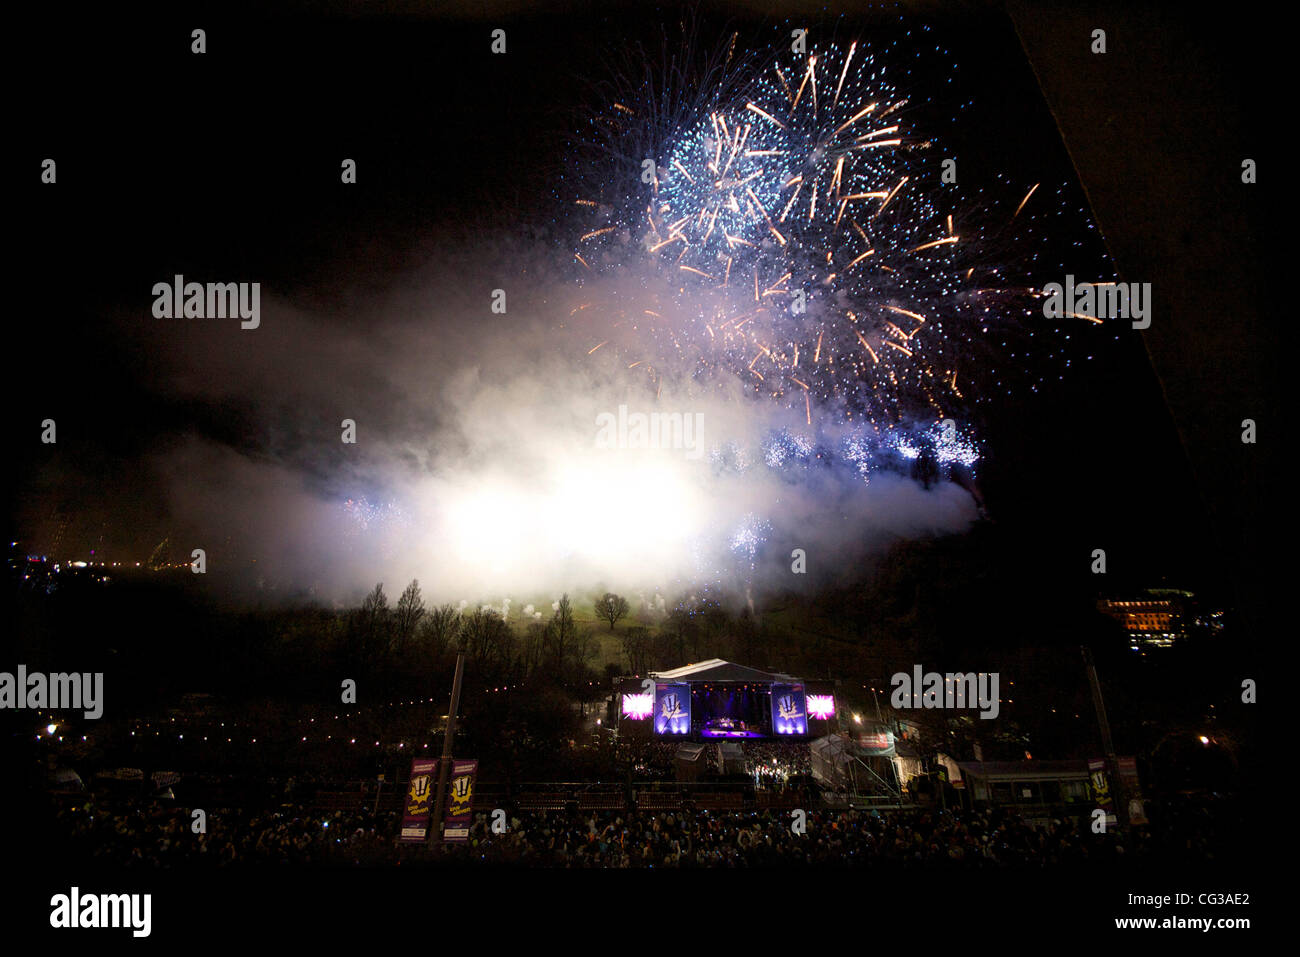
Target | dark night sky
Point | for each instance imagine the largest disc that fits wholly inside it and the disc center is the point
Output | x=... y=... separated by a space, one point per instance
x=227 y=165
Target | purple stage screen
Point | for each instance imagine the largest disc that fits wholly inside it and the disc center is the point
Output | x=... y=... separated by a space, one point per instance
x=673 y=709
x=789 y=713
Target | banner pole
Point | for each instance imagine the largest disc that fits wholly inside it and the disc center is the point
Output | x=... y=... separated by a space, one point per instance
x=1118 y=798
x=444 y=766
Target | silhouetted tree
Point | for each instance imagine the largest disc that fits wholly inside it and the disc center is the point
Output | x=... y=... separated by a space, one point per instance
x=487 y=642
x=611 y=607
x=561 y=634
x=440 y=628
x=533 y=649
x=410 y=609
x=638 y=648
x=369 y=628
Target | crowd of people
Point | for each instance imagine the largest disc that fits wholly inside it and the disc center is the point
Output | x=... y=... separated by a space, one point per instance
x=775 y=762
x=749 y=838
x=649 y=760
x=295 y=834
x=165 y=837
x=769 y=763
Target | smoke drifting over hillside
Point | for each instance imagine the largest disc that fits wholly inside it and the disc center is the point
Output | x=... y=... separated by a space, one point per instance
x=479 y=465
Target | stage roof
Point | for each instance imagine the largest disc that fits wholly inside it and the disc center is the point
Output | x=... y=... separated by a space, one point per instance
x=715 y=669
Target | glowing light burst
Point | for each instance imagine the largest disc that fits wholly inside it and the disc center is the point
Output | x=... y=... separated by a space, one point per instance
x=700 y=524
x=821 y=706
x=638 y=707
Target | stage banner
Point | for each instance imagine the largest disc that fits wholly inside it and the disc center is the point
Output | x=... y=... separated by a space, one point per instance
x=877 y=744
x=415 y=813
x=1100 y=782
x=789 y=712
x=1128 y=773
x=672 y=709
x=460 y=806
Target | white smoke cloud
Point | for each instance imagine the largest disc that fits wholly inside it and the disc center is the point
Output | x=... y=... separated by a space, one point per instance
x=476 y=467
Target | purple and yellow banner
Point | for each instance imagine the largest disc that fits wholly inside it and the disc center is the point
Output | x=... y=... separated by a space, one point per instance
x=1100 y=782
x=789 y=713
x=415 y=813
x=672 y=709
x=461 y=802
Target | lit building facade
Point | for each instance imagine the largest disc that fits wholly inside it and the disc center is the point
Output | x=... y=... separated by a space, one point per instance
x=1156 y=619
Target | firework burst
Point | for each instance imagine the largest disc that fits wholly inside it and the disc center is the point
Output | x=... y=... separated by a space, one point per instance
x=793 y=232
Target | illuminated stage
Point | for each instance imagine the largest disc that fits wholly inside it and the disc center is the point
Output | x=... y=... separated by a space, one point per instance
x=729 y=728
x=718 y=699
